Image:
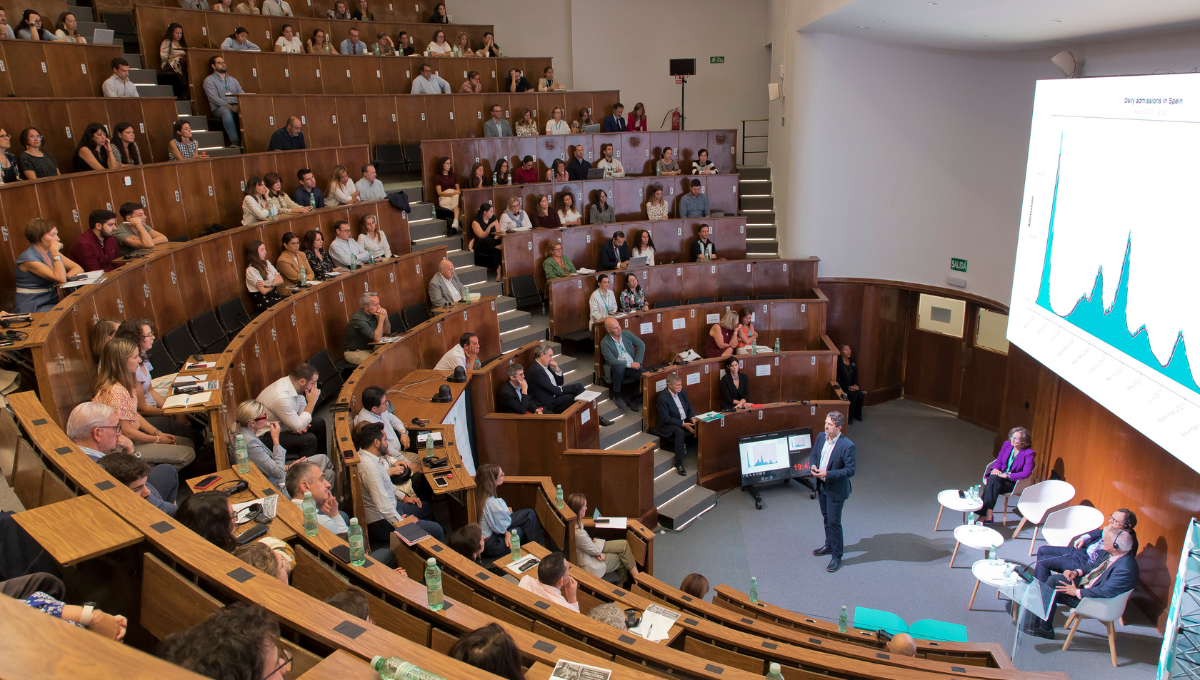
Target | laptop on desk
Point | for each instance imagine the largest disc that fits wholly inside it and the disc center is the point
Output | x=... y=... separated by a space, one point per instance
x=595 y=173
x=591 y=128
x=638 y=261
x=102 y=36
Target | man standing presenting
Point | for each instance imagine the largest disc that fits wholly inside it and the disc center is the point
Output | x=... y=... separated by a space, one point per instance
x=676 y=419
x=833 y=464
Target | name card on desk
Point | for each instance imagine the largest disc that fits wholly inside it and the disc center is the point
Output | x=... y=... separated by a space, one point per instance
x=678 y=324
x=647 y=327
x=585 y=416
x=660 y=385
x=693 y=379
x=762 y=369
x=712 y=318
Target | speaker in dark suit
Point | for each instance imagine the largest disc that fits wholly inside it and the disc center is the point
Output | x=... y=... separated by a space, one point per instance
x=676 y=421
x=546 y=382
x=514 y=397
x=832 y=470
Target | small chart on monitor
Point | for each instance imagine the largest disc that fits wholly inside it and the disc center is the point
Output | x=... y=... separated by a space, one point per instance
x=773 y=456
x=1105 y=275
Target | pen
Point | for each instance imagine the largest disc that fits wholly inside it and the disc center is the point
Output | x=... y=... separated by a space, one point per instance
x=649 y=630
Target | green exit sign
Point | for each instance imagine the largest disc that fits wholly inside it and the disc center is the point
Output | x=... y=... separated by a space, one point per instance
x=716 y=60
x=958 y=264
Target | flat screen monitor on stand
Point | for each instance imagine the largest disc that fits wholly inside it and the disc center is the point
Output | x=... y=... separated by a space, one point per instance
x=775 y=457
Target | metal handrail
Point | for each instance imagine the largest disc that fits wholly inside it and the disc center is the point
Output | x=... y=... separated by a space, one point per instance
x=745 y=136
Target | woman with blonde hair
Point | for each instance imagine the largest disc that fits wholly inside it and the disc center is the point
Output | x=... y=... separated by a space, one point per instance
x=496 y=521
x=462 y=45
x=657 y=208
x=341 y=189
x=101 y=333
x=115 y=386
x=372 y=238
x=526 y=125
x=251 y=418
x=277 y=198
x=721 y=341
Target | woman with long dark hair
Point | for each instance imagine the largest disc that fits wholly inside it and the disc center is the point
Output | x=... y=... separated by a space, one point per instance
x=564 y=207
x=182 y=147
x=478 y=177
x=486 y=246
x=490 y=649
x=210 y=515
x=255 y=207
x=172 y=56
x=496 y=521
x=558 y=172
x=313 y=246
x=93 y=152
x=124 y=148
x=263 y=281
x=503 y=175
x=644 y=247
x=445 y=183
x=291 y=262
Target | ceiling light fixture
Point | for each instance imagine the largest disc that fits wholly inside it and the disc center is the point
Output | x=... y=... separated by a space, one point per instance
x=865 y=27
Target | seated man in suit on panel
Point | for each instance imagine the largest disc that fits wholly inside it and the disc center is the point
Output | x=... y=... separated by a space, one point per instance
x=514 y=397
x=676 y=418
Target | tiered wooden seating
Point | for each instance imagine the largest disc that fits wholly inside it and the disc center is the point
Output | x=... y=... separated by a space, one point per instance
x=393 y=119
x=416 y=12
x=53 y=69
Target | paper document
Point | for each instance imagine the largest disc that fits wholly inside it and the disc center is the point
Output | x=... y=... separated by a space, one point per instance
x=656 y=623
x=585 y=270
x=189 y=379
x=587 y=395
x=199 y=364
x=269 y=505
x=522 y=565
x=569 y=670
x=88 y=277
x=711 y=415
x=182 y=400
x=612 y=522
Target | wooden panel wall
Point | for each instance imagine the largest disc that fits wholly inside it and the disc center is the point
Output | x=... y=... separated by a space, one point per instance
x=154 y=15
x=57 y=69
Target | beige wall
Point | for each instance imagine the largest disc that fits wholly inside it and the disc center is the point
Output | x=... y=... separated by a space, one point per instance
x=524 y=28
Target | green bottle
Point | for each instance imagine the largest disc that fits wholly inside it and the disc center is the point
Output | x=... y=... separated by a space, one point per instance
x=358 y=553
x=777 y=345
x=433 y=585
x=309 y=506
x=240 y=456
x=514 y=541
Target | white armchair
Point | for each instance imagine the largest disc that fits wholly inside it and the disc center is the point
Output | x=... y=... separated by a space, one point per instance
x=1106 y=610
x=1040 y=499
x=1063 y=525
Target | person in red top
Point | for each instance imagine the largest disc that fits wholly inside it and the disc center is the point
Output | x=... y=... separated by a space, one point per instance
x=96 y=248
x=526 y=174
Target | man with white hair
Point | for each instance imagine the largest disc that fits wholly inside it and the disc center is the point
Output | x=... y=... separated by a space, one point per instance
x=95 y=428
x=367 y=325
x=1112 y=576
x=445 y=288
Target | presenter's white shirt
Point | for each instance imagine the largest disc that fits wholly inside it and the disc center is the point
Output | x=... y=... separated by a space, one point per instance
x=827 y=451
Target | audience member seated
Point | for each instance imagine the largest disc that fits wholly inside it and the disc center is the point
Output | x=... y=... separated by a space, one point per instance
x=6 y=30
x=703 y=166
x=478 y=177
x=303 y=476
x=369 y=186
x=405 y=48
x=95 y=425
x=445 y=288
x=543 y=216
x=602 y=303
x=722 y=337
x=363 y=13
x=289 y=137
x=584 y=120
x=1013 y=463
x=102 y=331
x=596 y=555
x=547 y=83
x=526 y=174
x=526 y=125
x=546 y=383
x=557 y=265
x=438 y=47
x=609 y=613
x=410 y=487
x=247 y=7
x=623 y=352
x=95 y=249
x=372 y=238
x=87 y=616
x=601 y=212
x=694 y=204
x=735 y=386
x=345 y=251
x=251 y=418
x=644 y=247
x=616 y=122
x=277 y=8
x=514 y=396
x=150 y=400
x=695 y=585
x=258 y=555
x=234 y=642
x=124 y=148
x=564 y=208
x=30 y=27
x=68 y=29
x=496 y=126
x=263 y=282
x=119 y=84
x=1087 y=549
x=429 y=82
x=496 y=521
x=172 y=58
x=182 y=147
x=368 y=324
x=484 y=243
x=703 y=249
x=352 y=45
x=449 y=194
x=490 y=649
x=376 y=408
x=93 y=151
x=612 y=166
x=255 y=207
x=353 y=600
x=747 y=337
x=465 y=354
x=239 y=40
x=9 y=172
x=490 y=48
x=615 y=253
x=515 y=82
x=318 y=259
x=656 y=207
x=35 y=162
x=340 y=11
x=902 y=644
x=472 y=85
x=553 y=582
x=308 y=193
x=676 y=418
x=383 y=45
x=847 y=379
x=278 y=200
x=633 y=298
x=318 y=43
x=341 y=190
x=134 y=233
x=439 y=15
x=468 y=541
x=637 y=118
x=290 y=402
x=1112 y=576
x=384 y=510
x=556 y=125
x=222 y=89
x=41 y=268
x=462 y=45
x=210 y=515
x=515 y=219
x=577 y=169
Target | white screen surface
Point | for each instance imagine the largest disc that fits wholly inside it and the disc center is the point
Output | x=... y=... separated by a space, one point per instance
x=1104 y=287
x=764 y=456
x=462 y=439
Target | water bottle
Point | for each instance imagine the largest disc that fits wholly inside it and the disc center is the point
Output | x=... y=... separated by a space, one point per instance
x=358 y=554
x=466 y=293
x=558 y=496
x=303 y=276
x=774 y=674
x=429 y=445
x=312 y=200
x=992 y=556
x=494 y=175
x=514 y=540
x=777 y=345
x=309 y=506
x=842 y=620
x=376 y=49
x=371 y=257
x=242 y=460
x=395 y=668
x=753 y=590
x=272 y=211
x=433 y=585
x=353 y=262
x=754 y=349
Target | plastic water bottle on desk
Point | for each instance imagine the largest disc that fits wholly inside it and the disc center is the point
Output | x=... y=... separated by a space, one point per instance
x=353 y=262
x=558 y=496
x=494 y=176
x=777 y=345
x=433 y=585
x=753 y=590
x=309 y=506
x=395 y=668
x=358 y=554
x=303 y=277
x=842 y=620
x=240 y=456
x=775 y=673
x=514 y=541
x=429 y=444
x=992 y=555
x=312 y=201
x=466 y=293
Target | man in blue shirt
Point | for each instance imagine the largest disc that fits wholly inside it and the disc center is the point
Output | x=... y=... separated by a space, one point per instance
x=288 y=138
x=222 y=90
x=308 y=193
x=429 y=82
x=353 y=45
x=693 y=204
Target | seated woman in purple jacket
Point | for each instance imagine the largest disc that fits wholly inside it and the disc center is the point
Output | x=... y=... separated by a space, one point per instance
x=1015 y=461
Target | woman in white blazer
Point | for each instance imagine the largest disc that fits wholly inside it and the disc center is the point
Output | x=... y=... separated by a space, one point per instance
x=596 y=555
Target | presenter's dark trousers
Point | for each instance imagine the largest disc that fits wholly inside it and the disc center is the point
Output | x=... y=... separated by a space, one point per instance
x=678 y=437
x=563 y=401
x=993 y=490
x=831 y=512
x=312 y=442
x=1053 y=559
x=856 y=403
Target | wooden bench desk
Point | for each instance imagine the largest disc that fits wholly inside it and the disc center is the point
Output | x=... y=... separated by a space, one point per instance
x=341 y=665
x=276 y=529
x=76 y=530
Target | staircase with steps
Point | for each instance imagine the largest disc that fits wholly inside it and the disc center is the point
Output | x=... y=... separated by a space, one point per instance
x=756 y=202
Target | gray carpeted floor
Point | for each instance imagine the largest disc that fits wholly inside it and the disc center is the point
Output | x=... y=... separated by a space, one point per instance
x=893 y=560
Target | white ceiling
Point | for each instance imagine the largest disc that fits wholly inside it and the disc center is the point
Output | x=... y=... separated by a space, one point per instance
x=1004 y=24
